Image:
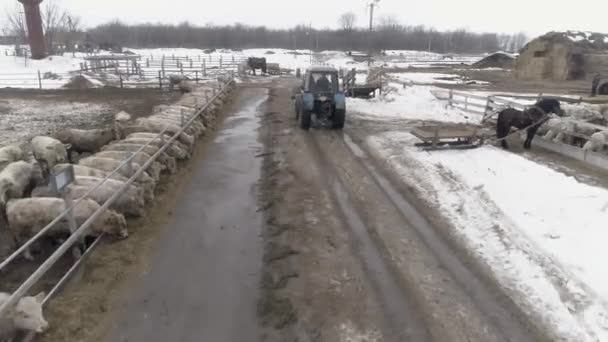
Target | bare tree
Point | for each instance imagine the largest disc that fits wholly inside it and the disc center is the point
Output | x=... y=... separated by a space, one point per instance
x=347 y=21
x=15 y=24
x=72 y=28
x=54 y=21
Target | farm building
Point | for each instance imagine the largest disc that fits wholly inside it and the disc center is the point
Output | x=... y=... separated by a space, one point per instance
x=563 y=56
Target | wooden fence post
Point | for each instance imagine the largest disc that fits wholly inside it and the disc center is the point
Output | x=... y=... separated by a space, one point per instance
x=204 y=69
x=121 y=81
x=39 y=80
x=162 y=66
x=181 y=68
x=160 y=79
x=196 y=75
x=191 y=64
x=451 y=98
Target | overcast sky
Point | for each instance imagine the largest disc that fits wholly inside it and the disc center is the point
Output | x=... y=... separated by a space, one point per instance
x=531 y=16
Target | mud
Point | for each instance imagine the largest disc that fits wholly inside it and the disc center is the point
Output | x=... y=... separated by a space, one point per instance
x=314 y=287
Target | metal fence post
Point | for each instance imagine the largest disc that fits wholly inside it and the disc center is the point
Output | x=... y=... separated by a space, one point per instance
x=59 y=183
x=39 y=80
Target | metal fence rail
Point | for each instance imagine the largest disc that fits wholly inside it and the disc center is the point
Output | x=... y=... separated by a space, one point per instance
x=75 y=237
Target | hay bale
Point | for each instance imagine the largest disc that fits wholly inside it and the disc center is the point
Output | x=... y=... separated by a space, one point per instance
x=501 y=60
x=79 y=82
x=563 y=56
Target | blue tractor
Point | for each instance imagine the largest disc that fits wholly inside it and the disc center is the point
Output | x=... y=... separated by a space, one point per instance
x=320 y=95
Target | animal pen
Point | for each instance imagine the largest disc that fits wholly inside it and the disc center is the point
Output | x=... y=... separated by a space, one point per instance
x=155 y=70
x=34 y=279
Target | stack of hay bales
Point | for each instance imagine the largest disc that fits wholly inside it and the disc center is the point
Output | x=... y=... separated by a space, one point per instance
x=563 y=56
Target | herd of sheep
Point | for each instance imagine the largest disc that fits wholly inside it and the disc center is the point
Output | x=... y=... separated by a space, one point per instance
x=584 y=126
x=28 y=204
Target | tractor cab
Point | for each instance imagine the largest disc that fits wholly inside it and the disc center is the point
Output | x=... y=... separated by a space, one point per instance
x=322 y=81
x=320 y=96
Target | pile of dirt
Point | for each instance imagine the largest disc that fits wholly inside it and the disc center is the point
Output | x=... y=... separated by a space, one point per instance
x=79 y=82
x=501 y=60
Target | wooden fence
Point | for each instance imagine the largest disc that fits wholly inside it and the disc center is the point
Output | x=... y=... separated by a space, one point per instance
x=578 y=132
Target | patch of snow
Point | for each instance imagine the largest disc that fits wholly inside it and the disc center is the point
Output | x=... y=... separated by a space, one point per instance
x=541 y=232
x=413 y=103
x=349 y=333
x=431 y=78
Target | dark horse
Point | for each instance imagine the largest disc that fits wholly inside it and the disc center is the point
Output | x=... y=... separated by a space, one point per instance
x=257 y=63
x=530 y=119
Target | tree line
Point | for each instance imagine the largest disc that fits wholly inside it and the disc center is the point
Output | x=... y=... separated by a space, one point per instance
x=64 y=32
x=388 y=35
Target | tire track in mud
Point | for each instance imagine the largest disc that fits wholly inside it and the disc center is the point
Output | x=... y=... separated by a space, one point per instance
x=431 y=278
x=404 y=322
x=313 y=289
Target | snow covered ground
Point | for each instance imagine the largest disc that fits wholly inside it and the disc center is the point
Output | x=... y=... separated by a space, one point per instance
x=431 y=78
x=23 y=119
x=542 y=233
x=19 y=72
x=410 y=102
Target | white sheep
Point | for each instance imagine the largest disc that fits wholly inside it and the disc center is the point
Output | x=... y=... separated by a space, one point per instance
x=139 y=158
x=175 y=150
x=26 y=217
x=26 y=316
x=597 y=142
x=169 y=163
x=16 y=181
x=121 y=120
x=131 y=203
x=152 y=126
x=10 y=154
x=49 y=152
x=109 y=165
x=81 y=140
x=85 y=171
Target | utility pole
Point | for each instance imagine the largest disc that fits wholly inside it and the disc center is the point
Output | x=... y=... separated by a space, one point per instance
x=372 y=5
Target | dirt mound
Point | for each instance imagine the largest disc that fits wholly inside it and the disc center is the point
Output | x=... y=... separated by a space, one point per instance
x=496 y=60
x=79 y=82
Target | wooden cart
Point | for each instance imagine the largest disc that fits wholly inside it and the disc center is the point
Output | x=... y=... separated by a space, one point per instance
x=450 y=136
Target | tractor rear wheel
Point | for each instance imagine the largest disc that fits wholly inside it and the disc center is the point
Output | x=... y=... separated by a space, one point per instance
x=297 y=110
x=305 y=119
x=338 y=119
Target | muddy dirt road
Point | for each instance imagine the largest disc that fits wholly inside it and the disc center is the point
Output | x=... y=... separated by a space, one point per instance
x=202 y=283
x=329 y=196
x=285 y=235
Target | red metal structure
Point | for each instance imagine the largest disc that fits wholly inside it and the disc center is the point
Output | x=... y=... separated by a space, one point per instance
x=34 y=28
